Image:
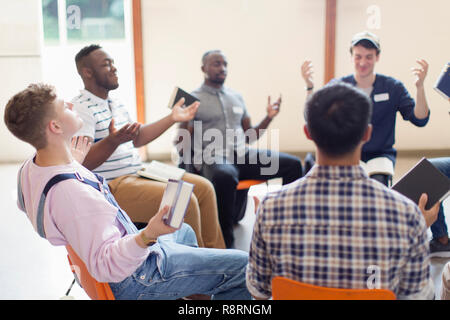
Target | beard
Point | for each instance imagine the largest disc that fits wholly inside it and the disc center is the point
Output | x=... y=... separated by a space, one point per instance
x=106 y=82
x=218 y=80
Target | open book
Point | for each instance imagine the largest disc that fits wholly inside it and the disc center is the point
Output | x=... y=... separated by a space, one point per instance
x=176 y=196
x=424 y=178
x=380 y=165
x=159 y=171
x=179 y=93
x=442 y=85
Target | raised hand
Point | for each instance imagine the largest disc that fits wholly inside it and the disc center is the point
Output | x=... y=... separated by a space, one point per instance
x=183 y=114
x=79 y=148
x=127 y=133
x=273 y=108
x=420 y=72
x=307 y=73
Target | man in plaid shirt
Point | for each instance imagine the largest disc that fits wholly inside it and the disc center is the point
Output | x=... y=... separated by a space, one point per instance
x=336 y=227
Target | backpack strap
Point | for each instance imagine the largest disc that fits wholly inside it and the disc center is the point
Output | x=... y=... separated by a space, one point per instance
x=99 y=185
x=48 y=186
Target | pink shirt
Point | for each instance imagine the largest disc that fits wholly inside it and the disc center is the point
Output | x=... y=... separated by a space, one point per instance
x=77 y=214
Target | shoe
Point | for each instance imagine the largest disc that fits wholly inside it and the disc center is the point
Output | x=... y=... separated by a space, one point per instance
x=439 y=250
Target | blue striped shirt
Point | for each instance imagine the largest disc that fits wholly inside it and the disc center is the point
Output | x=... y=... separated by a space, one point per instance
x=338 y=228
x=97 y=114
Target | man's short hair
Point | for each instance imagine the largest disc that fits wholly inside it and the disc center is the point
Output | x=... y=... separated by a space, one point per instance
x=337 y=117
x=27 y=113
x=207 y=53
x=84 y=52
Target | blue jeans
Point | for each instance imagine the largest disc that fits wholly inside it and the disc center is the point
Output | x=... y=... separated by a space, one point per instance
x=177 y=268
x=439 y=227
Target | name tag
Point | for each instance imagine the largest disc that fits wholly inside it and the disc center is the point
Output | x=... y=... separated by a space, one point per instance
x=381 y=97
x=238 y=110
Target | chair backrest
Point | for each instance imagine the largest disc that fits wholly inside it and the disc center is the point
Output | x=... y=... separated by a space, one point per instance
x=287 y=289
x=94 y=289
x=246 y=184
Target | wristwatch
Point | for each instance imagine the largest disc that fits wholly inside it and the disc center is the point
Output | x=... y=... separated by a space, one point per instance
x=147 y=241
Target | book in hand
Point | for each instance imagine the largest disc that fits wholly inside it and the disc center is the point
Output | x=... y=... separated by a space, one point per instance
x=176 y=195
x=442 y=85
x=159 y=171
x=380 y=165
x=424 y=177
x=179 y=93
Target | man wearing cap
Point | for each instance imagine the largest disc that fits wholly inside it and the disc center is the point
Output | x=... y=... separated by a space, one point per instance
x=388 y=96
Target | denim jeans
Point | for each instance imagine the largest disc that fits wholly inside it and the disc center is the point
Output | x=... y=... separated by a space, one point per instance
x=177 y=268
x=439 y=228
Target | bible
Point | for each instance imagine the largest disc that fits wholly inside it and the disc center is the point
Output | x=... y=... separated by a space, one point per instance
x=380 y=165
x=160 y=171
x=442 y=85
x=176 y=195
x=424 y=178
x=179 y=93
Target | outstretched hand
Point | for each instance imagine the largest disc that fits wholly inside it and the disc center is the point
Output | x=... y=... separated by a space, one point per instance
x=183 y=114
x=273 y=108
x=127 y=133
x=420 y=72
x=79 y=148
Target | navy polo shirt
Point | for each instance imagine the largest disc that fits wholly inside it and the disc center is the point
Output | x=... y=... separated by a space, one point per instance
x=388 y=96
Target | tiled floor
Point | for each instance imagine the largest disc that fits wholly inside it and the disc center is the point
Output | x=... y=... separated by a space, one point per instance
x=30 y=268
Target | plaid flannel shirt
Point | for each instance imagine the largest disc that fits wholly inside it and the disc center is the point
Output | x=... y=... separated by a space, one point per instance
x=338 y=228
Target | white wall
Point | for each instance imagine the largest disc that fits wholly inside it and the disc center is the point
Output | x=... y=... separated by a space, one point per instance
x=408 y=29
x=20 y=63
x=265 y=42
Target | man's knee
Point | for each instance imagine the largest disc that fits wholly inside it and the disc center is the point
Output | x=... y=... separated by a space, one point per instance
x=225 y=176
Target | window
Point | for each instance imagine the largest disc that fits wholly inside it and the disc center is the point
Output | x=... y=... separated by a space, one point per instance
x=69 y=25
x=75 y=21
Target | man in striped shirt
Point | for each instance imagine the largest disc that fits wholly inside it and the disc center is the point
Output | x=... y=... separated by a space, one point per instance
x=336 y=227
x=114 y=155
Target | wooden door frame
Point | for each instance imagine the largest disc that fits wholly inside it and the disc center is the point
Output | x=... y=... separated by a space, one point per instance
x=138 y=60
x=330 y=40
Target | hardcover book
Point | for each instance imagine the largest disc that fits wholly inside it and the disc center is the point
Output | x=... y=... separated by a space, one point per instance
x=179 y=93
x=442 y=85
x=424 y=178
x=176 y=195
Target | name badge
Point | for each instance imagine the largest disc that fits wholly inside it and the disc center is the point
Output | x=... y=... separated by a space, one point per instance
x=381 y=97
x=238 y=110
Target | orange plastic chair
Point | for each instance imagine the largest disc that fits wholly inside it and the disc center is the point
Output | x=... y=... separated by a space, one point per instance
x=246 y=184
x=94 y=289
x=287 y=289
